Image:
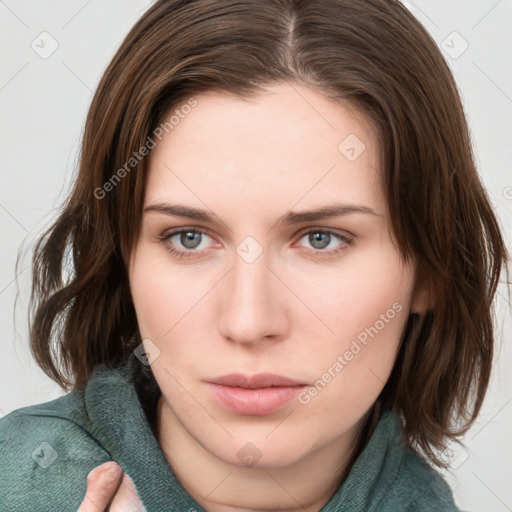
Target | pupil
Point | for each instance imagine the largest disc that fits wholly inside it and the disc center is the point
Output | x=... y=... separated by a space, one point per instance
x=187 y=239
x=316 y=240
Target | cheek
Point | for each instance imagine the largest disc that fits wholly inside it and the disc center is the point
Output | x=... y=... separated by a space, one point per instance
x=173 y=307
x=354 y=296
x=149 y=295
x=161 y=296
x=366 y=308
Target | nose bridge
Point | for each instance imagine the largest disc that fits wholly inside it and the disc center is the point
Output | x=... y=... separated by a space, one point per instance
x=250 y=308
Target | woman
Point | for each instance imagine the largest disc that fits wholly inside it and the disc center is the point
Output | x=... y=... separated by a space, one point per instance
x=283 y=264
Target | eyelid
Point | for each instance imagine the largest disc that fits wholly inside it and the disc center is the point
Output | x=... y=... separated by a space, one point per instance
x=175 y=231
x=342 y=233
x=169 y=233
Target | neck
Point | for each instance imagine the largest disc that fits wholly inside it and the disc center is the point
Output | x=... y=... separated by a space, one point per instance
x=220 y=486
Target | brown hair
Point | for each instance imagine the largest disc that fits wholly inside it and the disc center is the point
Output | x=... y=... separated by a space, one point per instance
x=372 y=54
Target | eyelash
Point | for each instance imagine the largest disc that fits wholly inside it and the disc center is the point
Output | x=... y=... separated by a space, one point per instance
x=318 y=253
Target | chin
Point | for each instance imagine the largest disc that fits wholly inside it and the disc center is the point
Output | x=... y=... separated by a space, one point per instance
x=259 y=451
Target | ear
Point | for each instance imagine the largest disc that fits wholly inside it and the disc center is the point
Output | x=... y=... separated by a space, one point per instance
x=423 y=297
x=420 y=303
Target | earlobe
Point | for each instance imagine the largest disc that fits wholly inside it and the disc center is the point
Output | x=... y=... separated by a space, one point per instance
x=421 y=303
x=423 y=299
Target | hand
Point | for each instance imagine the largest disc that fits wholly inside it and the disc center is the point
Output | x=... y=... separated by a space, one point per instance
x=110 y=490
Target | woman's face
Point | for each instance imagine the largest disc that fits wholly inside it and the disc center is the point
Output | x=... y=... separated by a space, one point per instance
x=288 y=268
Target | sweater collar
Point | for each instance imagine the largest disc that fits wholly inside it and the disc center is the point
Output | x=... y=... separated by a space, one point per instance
x=120 y=425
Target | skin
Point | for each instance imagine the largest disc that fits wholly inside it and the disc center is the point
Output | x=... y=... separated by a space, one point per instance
x=291 y=311
x=108 y=488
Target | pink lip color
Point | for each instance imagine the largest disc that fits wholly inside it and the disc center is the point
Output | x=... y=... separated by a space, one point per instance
x=254 y=396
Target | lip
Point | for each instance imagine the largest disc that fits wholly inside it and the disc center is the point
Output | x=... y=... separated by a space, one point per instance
x=254 y=395
x=260 y=380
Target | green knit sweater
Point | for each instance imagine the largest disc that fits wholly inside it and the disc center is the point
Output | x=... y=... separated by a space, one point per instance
x=47 y=450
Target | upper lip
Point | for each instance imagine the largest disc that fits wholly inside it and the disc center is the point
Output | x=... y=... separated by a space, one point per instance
x=261 y=380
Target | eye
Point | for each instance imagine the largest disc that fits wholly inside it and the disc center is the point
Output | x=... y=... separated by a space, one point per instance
x=326 y=241
x=191 y=242
x=184 y=242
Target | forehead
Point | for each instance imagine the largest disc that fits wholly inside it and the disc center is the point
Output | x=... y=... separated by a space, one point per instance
x=287 y=145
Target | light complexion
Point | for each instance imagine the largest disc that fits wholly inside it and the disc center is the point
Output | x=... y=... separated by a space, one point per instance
x=315 y=286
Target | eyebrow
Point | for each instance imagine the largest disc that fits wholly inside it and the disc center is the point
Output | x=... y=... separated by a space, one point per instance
x=289 y=218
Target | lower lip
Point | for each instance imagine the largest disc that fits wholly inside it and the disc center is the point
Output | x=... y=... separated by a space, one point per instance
x=254 y=402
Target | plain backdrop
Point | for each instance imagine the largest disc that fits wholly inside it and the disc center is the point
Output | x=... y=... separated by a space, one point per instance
x=52 y=56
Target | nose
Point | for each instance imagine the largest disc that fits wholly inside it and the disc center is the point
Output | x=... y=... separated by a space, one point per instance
x=253 y=304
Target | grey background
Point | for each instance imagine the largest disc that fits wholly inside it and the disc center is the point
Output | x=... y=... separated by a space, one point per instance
x=43 y=103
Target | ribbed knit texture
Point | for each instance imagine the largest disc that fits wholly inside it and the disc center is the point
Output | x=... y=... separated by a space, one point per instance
x=47 y=451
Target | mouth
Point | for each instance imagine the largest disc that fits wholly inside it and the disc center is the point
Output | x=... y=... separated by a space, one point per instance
x=256 y=395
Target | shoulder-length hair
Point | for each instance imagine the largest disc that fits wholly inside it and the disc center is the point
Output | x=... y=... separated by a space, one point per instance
x=370 y=54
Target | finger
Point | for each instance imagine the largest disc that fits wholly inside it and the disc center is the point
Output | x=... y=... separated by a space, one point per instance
x=102 y=484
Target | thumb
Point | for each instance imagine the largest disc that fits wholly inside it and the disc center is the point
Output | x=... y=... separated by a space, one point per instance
x=102 y=484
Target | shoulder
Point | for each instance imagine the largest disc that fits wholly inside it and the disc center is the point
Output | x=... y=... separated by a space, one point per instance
x=422 y=487
x=397 y=477
x=46 y=452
